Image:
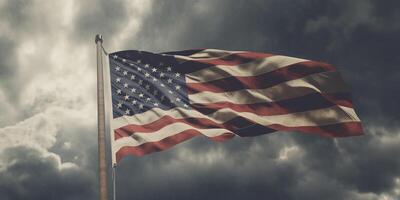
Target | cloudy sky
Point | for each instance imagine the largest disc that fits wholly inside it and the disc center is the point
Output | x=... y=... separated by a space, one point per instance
x=48 y=133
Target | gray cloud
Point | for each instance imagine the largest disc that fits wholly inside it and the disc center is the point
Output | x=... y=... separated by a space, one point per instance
x=29 y=174
x=47 y=49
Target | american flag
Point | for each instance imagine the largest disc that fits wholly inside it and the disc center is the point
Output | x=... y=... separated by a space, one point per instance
x=160 y=100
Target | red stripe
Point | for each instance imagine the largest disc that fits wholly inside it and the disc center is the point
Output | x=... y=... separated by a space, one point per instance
x=229 y=60
x=164 y=144
x=333 y=130
x=184 y=52
x=235 y=58
x=201 y=123
x=342 y=99
x=233 y=125
x=304 y=103
x=344 y=129
x=299 y=104
x=128 y=130
x=265 y=80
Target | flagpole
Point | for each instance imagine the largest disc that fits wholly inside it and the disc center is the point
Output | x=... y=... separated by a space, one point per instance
x=101 y=121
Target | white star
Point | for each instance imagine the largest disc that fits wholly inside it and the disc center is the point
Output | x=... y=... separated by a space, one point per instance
x=141 y=106
x=127 y=111
x=115 y=56
x=119 y=105
x=117 y=68
x=119 y=91
x=133 y=90
x=138 y=61
x=177 y=87
x=118 y=80
x=148 y=99
x=126 y=97
x=170 y=91
x=125 y=73
x=154 y=70
x=178 y=99
x=140 y=82
x=146 y=66
x=147 y=87
x=123 y=60
x=169 y=69
x=155 y=104
x=162 y=74
x=125 y=85
x=141 y=95
x=134 y=102
x=154 y=79
x=162 y=85
x=139 y=69
x=177 y=74
x=146 y=74
x=185 y=105
x=133 y=77
x=169 y=80
x=131 y=64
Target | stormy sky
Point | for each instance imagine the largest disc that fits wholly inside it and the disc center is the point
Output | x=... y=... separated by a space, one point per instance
x=48 y=112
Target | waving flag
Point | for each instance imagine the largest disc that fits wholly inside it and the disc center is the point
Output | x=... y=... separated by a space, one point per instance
x=160 y=100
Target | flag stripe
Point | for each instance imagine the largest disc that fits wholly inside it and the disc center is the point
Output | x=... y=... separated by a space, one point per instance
x=231 y=58
x=320 y=82
x=139 y=138
x=256 y=67
x=201 y=123
x=331 y=115
x=234 y=125
x=331 y=130
x=211 y=54
x=308 y=102
x=163 y=144
x=265 y=80
x=220 y=94
x=184 y=52
x=338 y=130
x=189 y=65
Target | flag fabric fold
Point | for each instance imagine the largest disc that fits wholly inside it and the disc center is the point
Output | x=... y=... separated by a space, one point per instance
x=160 y=100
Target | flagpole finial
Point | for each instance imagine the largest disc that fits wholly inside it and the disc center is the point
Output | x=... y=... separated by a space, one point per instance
x=99 y=38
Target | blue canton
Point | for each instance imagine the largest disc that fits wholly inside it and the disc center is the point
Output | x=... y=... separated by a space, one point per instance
x=141 y=81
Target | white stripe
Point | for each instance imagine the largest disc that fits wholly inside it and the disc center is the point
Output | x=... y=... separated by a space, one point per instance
x=318 y=117
x=207 y=54
x=326 y=82
x=139 y=138
x=332 y=115
x=212 y=54
x=256 y=67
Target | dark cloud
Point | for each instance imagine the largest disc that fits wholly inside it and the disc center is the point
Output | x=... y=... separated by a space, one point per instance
x=29 y=174
x=94 y=17
x=359 y=37
x=7 y=63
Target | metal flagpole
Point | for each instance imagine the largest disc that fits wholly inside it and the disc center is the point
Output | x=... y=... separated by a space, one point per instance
x=114 y=179
x=101 y=121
